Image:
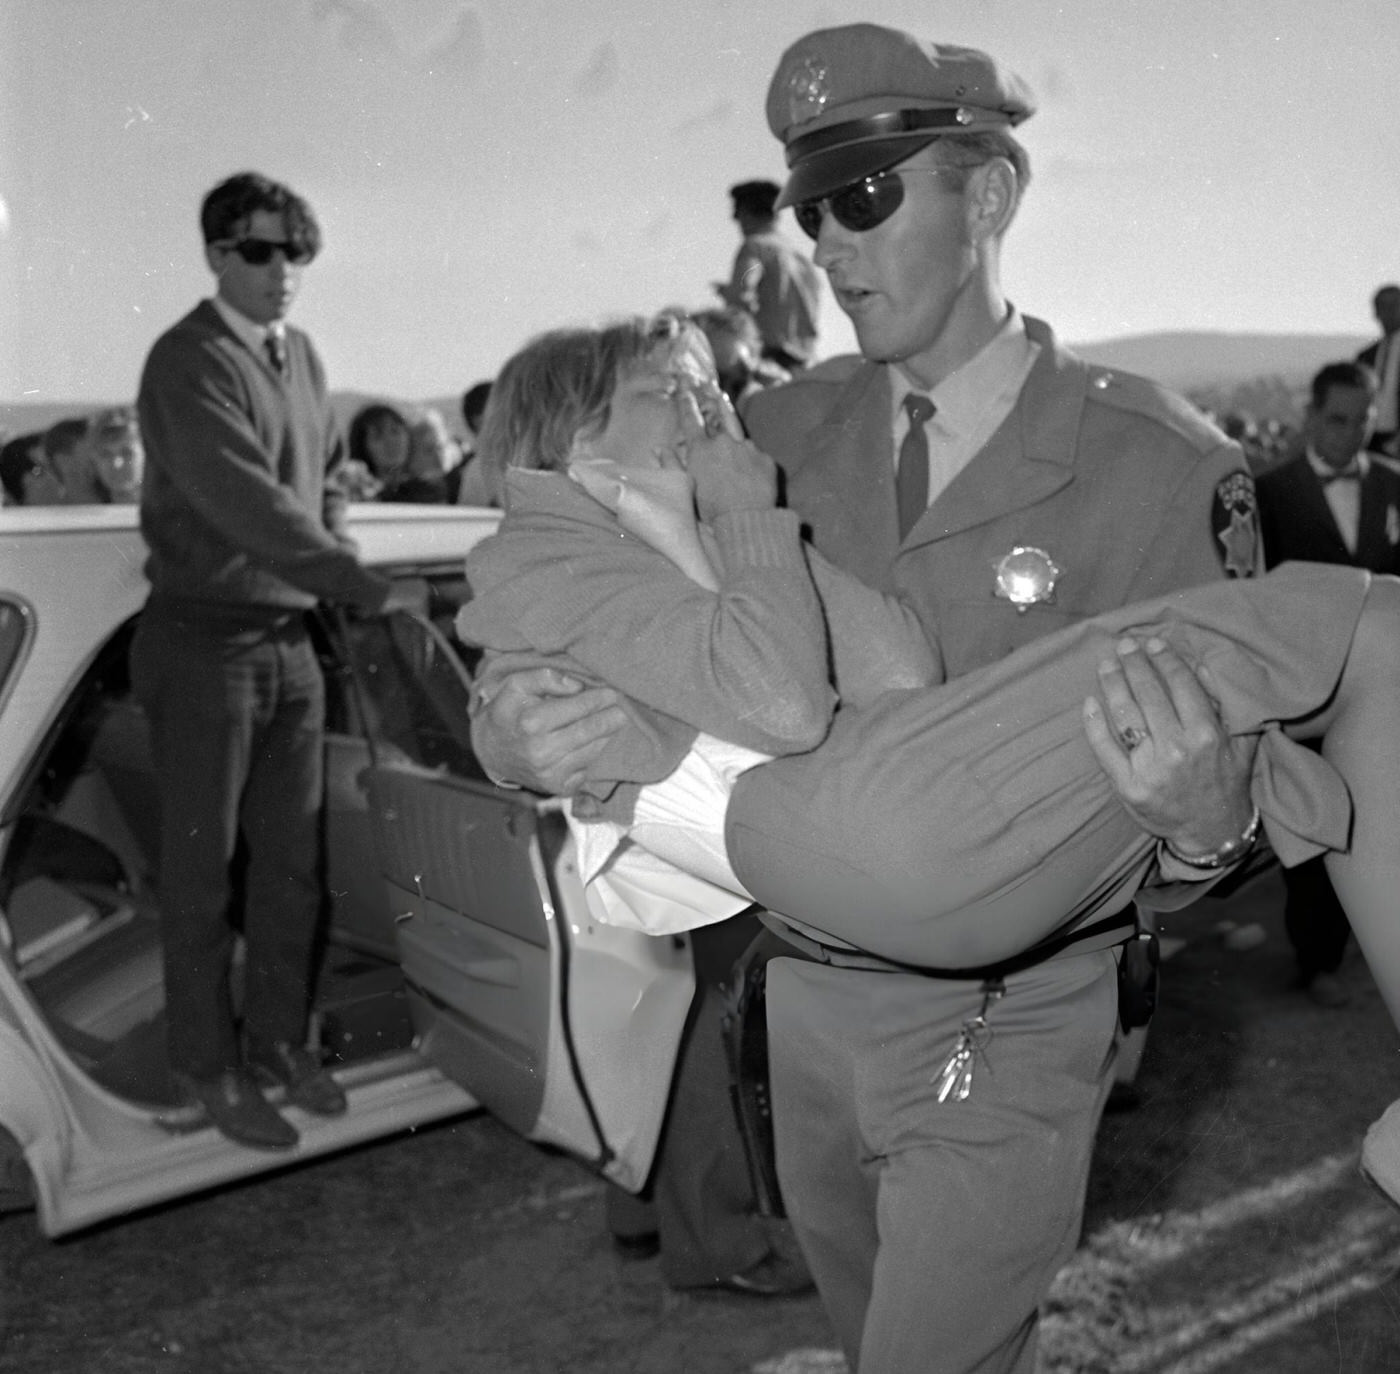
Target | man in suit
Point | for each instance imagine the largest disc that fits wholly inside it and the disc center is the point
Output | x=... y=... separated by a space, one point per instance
x=1332 y=503
x=1034 y=491
x=245 y=534
x=1383 y=358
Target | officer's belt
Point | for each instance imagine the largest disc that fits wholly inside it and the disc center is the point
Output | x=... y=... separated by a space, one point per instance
x=1101 y=934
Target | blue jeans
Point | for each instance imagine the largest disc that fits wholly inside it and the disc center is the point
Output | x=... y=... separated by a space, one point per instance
x=236 y=706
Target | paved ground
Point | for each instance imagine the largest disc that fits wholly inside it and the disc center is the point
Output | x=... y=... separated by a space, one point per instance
x=1227 y=1231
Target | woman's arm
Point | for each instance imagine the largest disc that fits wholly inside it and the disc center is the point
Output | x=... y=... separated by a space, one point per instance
x=877 y=643
x=657 y=506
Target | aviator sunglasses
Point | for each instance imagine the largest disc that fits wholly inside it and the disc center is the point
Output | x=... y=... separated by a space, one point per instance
x=258 y=252
x=864 y=203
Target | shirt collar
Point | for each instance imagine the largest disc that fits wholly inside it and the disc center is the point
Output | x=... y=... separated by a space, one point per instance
x=249 y=331
x=962 y=398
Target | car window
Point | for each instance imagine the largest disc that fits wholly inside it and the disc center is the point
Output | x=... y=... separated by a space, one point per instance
x=406 y=689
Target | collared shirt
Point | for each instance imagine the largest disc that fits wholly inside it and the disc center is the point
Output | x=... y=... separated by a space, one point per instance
x=252 y=333
x=1344 y=498
x=971 y=402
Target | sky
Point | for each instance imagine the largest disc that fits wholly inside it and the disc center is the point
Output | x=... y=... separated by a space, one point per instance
x=483 y=171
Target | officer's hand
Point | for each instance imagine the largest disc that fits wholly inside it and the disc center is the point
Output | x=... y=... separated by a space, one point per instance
x=1158 y=736
x=542 y=729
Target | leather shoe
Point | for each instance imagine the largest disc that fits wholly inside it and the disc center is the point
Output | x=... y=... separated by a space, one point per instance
x=1326 y=990
x=773 y=1276
x=294 y=1067
x=236 y=1106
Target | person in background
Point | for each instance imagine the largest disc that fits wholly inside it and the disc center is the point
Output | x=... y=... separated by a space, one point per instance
x=1003 y=488
x=738 y=351
x=474 y=401
x=70 y=478
x=118 y=456
x=1383 y=358
x=25 y=472
x=467 y=484
x=381 y=442
x=1332 y=503
x=772 y=279
x=245 y=535
x=433 y=452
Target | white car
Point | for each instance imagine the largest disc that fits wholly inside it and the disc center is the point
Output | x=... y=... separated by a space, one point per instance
x=461 y=969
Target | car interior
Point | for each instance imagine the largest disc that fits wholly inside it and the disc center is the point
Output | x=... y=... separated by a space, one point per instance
x=78 y=890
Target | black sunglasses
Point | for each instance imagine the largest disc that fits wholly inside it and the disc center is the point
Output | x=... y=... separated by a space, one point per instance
x=258 y=252
x=863 y=204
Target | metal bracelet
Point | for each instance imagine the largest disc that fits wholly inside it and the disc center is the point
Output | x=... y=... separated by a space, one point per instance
x=1227 y=854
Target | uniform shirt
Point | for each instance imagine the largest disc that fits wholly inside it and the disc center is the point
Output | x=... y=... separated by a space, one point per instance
x=970 y=405
x=1124 y=485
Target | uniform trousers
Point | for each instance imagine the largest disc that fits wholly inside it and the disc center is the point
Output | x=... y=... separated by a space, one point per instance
x=236 y=705
x=934 y=1229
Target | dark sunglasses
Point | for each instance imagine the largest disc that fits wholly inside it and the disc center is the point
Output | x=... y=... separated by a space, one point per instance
x=258 y=252
x=864 y=203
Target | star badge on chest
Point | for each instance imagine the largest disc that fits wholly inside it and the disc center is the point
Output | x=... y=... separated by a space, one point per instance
x=1025 y=577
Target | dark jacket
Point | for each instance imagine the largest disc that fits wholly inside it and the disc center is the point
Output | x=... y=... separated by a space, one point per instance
x=1297 y=522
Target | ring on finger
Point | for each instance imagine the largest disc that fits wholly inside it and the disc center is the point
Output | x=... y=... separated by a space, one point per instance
x=1132 y=736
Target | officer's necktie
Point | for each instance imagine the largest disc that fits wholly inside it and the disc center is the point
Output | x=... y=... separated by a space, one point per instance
x=911 y=480
x=276 y=352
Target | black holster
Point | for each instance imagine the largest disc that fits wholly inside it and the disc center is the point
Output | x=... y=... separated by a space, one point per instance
x=1139 y=961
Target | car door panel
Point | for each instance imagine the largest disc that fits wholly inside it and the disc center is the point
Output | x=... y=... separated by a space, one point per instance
x=517 y=993
x=472 y=936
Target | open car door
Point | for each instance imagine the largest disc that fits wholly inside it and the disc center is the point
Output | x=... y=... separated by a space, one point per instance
x=565 y=1029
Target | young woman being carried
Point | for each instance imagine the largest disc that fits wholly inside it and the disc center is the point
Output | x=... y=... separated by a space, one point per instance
x=925 y=822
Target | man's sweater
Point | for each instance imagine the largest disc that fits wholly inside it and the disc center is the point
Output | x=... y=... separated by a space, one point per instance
x=235 y=506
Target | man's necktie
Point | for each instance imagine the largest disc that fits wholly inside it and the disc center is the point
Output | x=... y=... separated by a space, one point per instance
x=911 y=480
x=276 y=353
x=1350 y=473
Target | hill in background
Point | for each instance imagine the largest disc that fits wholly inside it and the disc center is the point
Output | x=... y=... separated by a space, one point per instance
x=1264 y=375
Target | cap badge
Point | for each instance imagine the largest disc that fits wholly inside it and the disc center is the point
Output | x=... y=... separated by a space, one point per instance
x=808 y=90
x=1026 y=576
x=963 y=115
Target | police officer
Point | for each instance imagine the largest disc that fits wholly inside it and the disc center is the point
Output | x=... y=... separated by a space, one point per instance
x=934 y=1134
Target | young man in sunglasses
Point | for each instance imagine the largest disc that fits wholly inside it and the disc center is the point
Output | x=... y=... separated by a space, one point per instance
x=245 y=535
x=933 y=1134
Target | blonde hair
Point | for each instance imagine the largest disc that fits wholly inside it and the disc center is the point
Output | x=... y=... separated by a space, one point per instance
x=561 y=384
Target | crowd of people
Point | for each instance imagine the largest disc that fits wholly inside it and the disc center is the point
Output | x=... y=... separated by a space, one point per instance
x=764 y=329
x=83 y=460
x=935 y=1098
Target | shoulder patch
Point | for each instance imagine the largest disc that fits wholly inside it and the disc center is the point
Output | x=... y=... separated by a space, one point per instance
x=1234 y=519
